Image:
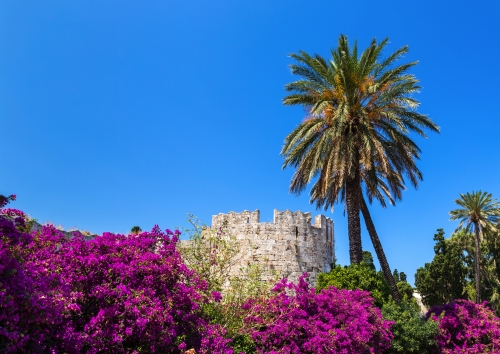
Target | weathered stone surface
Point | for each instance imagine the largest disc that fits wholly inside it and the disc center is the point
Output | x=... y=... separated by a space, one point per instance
x=290 y=245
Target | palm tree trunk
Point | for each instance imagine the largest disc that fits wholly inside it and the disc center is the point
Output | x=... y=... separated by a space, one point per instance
x=478 y=252
x=377 y=245
x=353 y=193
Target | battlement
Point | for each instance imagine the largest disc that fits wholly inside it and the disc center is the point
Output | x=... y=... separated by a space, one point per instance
x=286 y=217
x=290 y=244
x=245 y=217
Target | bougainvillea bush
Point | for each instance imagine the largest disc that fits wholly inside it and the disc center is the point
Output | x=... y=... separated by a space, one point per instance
x=298 y=320
x=465 y=327
x=114 y=294
x=31 y=319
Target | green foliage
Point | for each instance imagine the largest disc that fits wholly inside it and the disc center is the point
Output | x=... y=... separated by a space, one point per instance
x=357 y=277
x=482 y=211
x=479 y=209
x=406 y=290
x=412 y=333
x=489 y=265
x=491 y=273
x=248 y=283
x=368 y=260
x=136 y=230
x=451 y=275
x=444 y=279
x=213 y=254
x=395 y=275
x=347 y=97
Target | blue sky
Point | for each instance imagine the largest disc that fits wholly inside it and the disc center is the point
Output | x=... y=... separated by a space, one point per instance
x=123 y=113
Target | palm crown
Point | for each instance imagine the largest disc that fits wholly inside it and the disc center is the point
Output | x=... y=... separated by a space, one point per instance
x=478 y=208
x=360 y=110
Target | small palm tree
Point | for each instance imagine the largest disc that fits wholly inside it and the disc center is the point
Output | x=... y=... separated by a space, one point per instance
x=480 y=210
x=360 y=111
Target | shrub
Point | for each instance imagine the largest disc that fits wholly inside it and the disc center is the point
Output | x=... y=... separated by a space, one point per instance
x=298 y=320
x=31 y=317
x=357 y=277
x=406 y=290
x=465 y=327
x=116 y=293
x=445 y=278
x=210 y=253
x=412 y=333
x=213 y=254
x=134 y=293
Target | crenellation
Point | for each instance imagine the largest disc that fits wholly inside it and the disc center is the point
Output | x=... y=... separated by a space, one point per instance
x=290 y=245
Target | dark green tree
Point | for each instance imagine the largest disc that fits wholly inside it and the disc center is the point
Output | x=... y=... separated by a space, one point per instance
x=406 y=290
x=395 y=274
x=412 y=333
x=136 y=230
x=357 y=276
x=488 y=265
x=444 y=279
x=368 y=260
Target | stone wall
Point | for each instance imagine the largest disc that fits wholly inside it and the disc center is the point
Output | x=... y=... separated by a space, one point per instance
x=290 y=245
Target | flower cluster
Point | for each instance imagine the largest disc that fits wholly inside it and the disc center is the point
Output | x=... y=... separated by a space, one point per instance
x=31 y=319
x=297 y=320
x=117 y=293
x=465 y=327
x=6 y=200
x=12 y=213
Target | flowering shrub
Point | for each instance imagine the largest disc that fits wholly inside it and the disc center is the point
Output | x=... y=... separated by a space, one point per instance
x=6 y=200
x=12 y=213
x=116 y=294
x=465 y=327
x=297 y=320
x=30 y=318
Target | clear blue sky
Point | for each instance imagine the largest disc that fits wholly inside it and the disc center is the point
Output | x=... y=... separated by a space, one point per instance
x=123 y=113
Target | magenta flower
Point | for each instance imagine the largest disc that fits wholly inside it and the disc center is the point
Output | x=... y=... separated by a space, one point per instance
x=297 y=320
x=465 y=327
x=112 y=294
x=216 y=296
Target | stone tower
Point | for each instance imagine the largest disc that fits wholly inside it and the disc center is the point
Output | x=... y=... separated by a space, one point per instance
x=290 y=245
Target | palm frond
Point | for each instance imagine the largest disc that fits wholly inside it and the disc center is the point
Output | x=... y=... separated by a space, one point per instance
x=361 y=111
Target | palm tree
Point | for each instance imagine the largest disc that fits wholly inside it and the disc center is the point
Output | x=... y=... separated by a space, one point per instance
x=480 y=210
x=359 y=114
